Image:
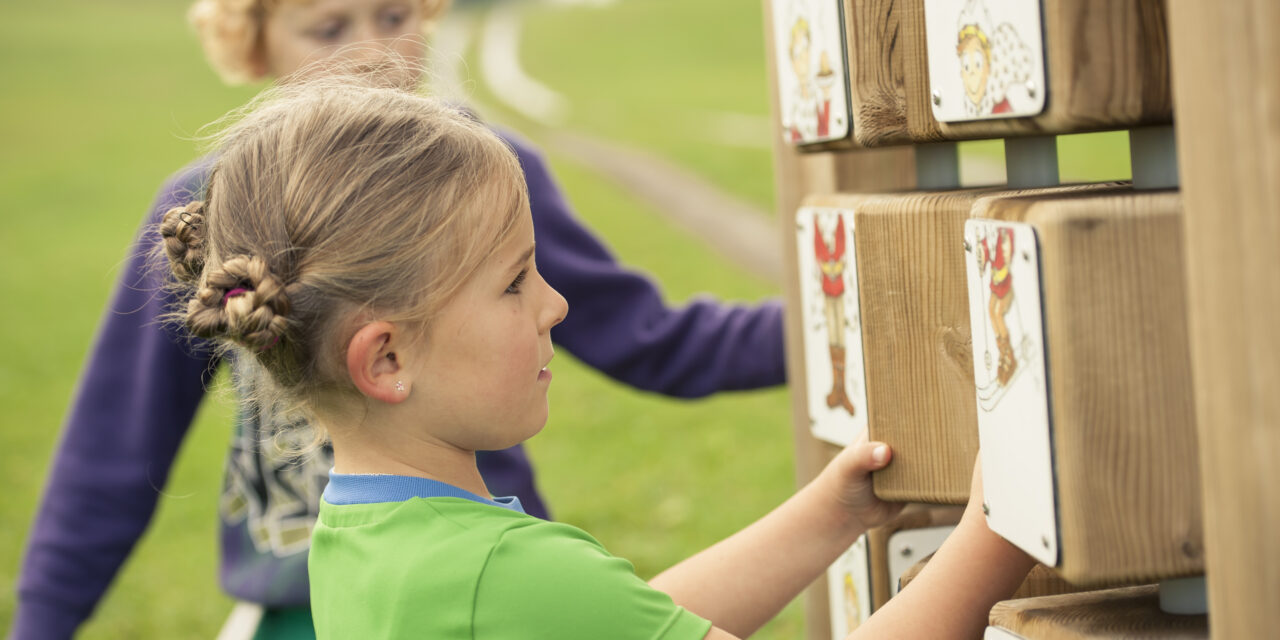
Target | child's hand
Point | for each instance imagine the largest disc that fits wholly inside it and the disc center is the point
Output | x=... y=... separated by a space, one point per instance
x=849 y=476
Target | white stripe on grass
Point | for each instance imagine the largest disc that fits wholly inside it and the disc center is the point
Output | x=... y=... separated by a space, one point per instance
x=500 y=67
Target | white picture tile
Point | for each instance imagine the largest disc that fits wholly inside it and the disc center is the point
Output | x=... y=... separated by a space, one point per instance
x=832 y=332
x=1011 y=380
x=813 y=76
x=986 y=59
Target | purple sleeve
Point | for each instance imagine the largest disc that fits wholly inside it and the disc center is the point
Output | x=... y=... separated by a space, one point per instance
x=619 y=324
x=133 y=405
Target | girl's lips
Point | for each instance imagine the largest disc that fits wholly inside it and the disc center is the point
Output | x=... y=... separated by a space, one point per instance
x=544 y=374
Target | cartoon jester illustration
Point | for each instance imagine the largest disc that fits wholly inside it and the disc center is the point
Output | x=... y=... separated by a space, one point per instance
x=999 y=258
x=991 y=61
x=831 y=263
x=810 y=113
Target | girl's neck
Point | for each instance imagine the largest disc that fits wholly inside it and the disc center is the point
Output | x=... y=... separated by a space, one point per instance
x=407 y=456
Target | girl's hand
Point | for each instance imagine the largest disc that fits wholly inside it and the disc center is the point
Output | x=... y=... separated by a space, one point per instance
x=849 y=479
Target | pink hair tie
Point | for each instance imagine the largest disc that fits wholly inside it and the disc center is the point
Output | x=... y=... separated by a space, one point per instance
x=274 y=342
x=234 y=293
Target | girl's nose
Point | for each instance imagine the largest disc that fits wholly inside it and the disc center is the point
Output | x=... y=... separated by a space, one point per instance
x=557 y=309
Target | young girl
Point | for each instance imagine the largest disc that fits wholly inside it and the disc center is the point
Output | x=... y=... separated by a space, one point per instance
x=141 y=386
x=370 y=254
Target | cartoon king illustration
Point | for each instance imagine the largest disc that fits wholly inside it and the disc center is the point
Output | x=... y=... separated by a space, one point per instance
x=999 y=258
x=810 y=114
x=991 y=60
x=831 y=262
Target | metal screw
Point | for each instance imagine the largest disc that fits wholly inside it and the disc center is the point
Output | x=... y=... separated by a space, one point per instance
x=937 y=98
x=1189 y=549
x=986 y=509
x=1031 y=88
x=906 y=552
x=1045 y=541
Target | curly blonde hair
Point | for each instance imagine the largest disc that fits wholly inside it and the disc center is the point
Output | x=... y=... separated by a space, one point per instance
x=230 y=32
x=332 y=203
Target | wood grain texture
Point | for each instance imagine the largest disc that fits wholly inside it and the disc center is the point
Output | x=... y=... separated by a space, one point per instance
x=921 y=125
x=1227 y=87
x=1107 y=67
x=916 y=339
x=797 y=174
x=916 y=342
x=1122 y=414
x=1042 y=581
x=877 y=86
x=1128 y=612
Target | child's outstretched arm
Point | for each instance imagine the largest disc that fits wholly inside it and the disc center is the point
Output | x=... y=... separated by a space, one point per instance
x=745 y=580
x=953 y=595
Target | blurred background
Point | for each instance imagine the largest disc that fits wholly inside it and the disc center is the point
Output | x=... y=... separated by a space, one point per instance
x=98 y=105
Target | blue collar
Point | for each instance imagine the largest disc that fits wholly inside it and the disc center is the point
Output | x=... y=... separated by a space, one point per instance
x=368 y=488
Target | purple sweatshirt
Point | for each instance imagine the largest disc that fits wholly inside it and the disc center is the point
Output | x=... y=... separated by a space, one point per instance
x=143 y=382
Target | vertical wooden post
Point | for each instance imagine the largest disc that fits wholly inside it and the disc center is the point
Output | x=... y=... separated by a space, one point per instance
x=1226 y=69
x=797 y=175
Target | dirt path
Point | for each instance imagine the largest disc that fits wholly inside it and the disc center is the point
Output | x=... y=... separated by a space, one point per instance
x=734 y=228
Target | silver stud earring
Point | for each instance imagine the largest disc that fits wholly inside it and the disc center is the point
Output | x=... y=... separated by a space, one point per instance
x=399 y=386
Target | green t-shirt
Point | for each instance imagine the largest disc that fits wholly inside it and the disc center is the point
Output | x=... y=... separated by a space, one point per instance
x=453 y=565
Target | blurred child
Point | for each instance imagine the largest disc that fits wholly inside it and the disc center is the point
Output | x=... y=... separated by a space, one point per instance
x=142 y=385
x=369 y=255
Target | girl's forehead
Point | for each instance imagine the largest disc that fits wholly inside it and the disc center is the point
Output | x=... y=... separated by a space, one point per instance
x=340 y=4
x=330 y=6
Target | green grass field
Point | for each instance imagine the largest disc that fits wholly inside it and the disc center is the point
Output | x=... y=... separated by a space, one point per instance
x=98 y=105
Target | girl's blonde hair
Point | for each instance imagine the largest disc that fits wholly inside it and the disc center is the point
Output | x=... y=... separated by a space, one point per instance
x=334 y=203
x=231 y=32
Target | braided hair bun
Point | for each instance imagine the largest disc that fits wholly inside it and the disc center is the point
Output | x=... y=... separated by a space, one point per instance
x=182 y=233
x=243 y=301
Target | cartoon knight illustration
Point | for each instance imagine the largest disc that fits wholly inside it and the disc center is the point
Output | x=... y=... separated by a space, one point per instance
x=810 y=112
x=999 y=258
x=991 y=60
x=831 y=262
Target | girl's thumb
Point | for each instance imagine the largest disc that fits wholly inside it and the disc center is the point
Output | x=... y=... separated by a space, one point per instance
x=879 y=454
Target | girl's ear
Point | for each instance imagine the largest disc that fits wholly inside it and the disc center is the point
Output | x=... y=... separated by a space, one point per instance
x=374 y=365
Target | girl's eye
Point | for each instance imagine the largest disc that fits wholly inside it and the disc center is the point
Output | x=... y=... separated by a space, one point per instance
x=394 y=18
x=514 y=287
x=329 y=31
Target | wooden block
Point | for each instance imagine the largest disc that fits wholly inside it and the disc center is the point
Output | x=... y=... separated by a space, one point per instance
x=921 y=125
x=1226 y=66
x=1129 y=612
x=915 y=331
x=916 y=340
x=1042 y=581
x=877 y=86
x=1124 y=454
x=1107 y=67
